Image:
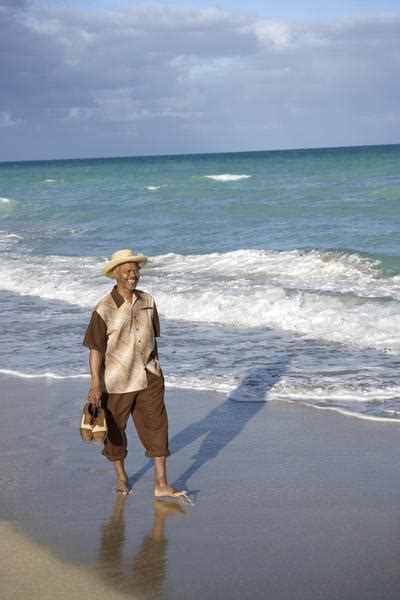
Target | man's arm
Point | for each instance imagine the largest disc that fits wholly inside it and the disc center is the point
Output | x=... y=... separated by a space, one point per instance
x=96 y=373
x=96 y=340
x=156 y=321
x=154 y=354
x=156 y=327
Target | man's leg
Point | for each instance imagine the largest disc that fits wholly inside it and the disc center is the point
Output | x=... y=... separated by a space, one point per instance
x=118 y=408
x=161 y=487
x=122 y=483
x=151 y=422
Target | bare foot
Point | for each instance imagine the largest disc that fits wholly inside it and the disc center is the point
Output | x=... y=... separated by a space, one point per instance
x=122 y=487
x=167 y=490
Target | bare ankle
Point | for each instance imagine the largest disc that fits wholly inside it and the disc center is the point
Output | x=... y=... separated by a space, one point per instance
x=120 y=470
x=160 y=483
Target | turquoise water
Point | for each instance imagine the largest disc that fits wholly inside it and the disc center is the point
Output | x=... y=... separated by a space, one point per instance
x=277 y=274
x=339 y=198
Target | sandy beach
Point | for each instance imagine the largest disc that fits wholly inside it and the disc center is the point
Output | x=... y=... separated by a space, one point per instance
x=291 y=503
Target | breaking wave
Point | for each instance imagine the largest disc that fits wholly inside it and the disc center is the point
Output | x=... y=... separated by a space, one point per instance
x=333 y=296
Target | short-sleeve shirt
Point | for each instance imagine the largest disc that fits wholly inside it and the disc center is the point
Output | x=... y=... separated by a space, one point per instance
x=124 y=332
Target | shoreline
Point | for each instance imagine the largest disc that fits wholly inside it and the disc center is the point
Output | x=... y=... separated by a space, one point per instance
x=291 y=503
x=171 y=387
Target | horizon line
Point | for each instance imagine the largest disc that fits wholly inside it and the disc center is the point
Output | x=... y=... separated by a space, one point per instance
x=181 y=154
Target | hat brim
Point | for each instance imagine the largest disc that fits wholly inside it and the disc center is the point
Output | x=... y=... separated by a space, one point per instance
x=110 y=266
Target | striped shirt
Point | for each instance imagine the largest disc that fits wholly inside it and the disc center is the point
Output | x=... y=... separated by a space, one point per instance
x=124 y=333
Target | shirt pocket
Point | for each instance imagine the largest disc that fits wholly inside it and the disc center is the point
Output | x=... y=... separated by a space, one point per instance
x=148 y=311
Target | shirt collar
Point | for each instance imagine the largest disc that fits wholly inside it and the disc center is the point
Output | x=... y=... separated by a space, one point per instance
x=119 y=300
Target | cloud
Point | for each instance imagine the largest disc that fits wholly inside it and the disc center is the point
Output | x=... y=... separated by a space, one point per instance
x=14 y=5
x=6 y=120
x=276 y=34
x=157 y=79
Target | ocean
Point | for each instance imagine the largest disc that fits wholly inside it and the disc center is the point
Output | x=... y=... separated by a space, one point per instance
x=276 y=274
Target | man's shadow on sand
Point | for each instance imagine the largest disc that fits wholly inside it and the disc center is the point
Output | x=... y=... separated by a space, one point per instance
x=224 y=422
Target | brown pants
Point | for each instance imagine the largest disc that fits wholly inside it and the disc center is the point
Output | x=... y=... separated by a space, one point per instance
x=149 y=416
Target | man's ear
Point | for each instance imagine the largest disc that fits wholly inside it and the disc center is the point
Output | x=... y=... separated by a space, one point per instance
x=115 y=271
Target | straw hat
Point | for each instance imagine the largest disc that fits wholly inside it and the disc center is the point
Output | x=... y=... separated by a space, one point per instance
x=119 y=258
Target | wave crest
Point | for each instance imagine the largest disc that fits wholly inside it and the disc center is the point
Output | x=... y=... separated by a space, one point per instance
x=227 y=177
x=333 y=296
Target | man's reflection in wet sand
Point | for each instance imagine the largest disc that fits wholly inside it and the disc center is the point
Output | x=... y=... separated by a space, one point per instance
x=144 y=573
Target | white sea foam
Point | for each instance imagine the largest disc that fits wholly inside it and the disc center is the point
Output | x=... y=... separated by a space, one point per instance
x=331 y=296
x=4 y=235
x=53 y=180
x=286 y=388
x=7 y=240
x=313 y=315
x=329 y=271
x=227 y=177
x=351 y=413
x=6 y=205
x=337 y=395
x=340 y=400
x=75 y=280
x=22 y=375
x=153 y=188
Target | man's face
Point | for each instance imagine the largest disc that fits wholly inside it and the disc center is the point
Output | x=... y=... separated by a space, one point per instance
x=127 y=275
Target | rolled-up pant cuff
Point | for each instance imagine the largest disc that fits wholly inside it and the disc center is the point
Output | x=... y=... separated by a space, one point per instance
x=155 y=453
x=114 y=457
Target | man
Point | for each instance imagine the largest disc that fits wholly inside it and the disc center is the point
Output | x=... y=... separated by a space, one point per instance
x=125 y=370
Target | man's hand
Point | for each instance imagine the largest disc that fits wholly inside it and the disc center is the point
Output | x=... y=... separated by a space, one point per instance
x=94 y=395
x=96 y=365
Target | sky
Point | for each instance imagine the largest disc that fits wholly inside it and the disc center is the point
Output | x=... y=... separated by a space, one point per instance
x=94 y=78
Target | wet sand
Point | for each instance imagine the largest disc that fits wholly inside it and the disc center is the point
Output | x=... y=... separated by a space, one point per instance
x=291 y=503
